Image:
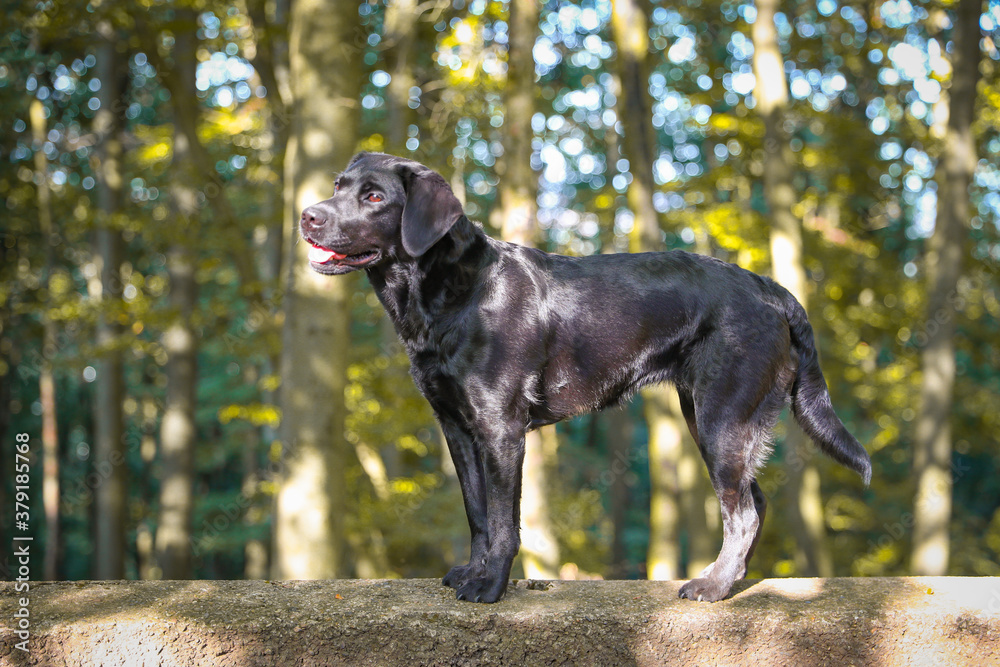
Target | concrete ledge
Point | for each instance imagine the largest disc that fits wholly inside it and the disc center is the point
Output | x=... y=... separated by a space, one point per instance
x=911 y=621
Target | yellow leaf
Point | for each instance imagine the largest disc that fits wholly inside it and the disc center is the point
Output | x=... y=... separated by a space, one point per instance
x=154 y=152
x=723 y=123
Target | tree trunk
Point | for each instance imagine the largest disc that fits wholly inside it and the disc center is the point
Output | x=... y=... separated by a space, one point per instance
x=932 y=449
x=629 y=27
x=620 y=431
x=618 y=423
x=539 y=548
x=324 y=58
x=255 y=550
x=271 y=61
x=663 y=560
x=46 y=377
x=771 y=95
x=696 y=498
x=109 y=450
x=401 y=19
x=518 y=197
x=519 y=184
x=178 y=429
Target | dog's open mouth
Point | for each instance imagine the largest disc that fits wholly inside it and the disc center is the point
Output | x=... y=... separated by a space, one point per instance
x=324 y=256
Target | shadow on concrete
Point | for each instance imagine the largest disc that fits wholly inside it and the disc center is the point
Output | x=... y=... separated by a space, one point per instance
x=879 y=622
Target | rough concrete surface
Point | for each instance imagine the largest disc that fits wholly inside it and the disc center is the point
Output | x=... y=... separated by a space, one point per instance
x=801 y=622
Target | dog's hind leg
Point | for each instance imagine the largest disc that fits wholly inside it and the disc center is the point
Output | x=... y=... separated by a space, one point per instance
x=760 y=505
x=759 y=500
x=734 y=442
x=687 y=409
x=741 y=525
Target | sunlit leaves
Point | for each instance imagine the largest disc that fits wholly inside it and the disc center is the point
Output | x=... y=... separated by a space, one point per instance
x=472 y=53
x=258 y=414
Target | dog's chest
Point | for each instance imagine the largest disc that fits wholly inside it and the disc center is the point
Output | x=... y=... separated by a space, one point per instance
x=441 y=383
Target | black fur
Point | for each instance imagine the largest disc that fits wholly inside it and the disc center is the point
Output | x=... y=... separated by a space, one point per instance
x=504 y=338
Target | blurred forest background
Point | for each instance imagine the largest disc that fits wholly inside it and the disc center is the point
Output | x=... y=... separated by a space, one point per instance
x=201 y=406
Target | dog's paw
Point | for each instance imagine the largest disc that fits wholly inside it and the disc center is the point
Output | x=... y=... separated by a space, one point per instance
x=482 y=589
x=459 y=575
x=705 y=590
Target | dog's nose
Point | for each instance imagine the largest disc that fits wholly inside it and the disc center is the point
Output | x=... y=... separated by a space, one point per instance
x=313 y=219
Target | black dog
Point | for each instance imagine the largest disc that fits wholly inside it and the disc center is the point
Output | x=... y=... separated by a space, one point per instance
x=504 y=338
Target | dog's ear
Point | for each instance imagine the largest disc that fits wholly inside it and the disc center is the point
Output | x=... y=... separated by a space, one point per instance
x=431 y=208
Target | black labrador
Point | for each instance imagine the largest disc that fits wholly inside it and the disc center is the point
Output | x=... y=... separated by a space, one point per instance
x=504 y=338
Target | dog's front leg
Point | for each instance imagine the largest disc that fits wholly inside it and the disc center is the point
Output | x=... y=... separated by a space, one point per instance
x=502 y=452
x=469 y=467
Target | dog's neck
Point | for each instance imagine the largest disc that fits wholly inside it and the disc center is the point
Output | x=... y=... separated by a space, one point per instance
x=419 y=293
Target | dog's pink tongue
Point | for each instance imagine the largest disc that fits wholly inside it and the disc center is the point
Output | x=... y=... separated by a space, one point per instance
x=322 y=255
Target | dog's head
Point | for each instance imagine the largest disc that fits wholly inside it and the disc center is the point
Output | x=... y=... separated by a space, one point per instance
x=382 y=207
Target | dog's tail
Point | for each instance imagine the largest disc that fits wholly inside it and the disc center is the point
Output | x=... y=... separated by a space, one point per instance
x=811 y=399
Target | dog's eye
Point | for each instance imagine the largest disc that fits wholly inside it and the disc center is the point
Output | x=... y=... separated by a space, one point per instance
x=336 y=186
x=374 y=197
